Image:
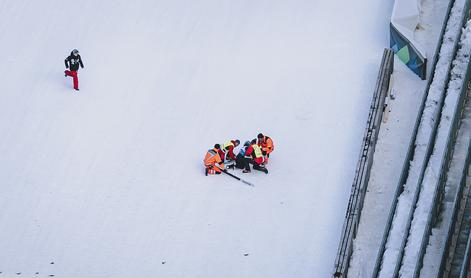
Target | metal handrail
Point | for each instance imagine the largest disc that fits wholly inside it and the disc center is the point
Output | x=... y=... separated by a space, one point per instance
x=360 y=182
x=465 y=265
x=467 y=255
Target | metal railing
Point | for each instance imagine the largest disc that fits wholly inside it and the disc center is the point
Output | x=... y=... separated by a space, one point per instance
x=466 y=260
x=360 y=182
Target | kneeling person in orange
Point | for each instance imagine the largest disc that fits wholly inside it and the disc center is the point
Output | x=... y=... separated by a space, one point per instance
x=211 y=159
x=266 y=144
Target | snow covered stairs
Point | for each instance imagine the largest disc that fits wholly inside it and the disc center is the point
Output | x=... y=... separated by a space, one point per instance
x=416 y=208
x=426 y=208
x=456 y=266
x=454 y=205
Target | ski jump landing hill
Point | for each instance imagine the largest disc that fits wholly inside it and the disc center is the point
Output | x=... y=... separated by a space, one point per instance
x=109 y=182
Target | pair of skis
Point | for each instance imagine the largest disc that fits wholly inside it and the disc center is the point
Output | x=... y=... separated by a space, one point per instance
x=236 y=177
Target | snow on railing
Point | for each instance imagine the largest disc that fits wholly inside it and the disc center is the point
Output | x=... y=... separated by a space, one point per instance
x=395 y=234
x=360 y=182
x=434 y=179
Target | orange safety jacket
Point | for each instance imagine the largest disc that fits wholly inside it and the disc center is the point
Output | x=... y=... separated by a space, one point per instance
x=266 y=144
x=212 y=157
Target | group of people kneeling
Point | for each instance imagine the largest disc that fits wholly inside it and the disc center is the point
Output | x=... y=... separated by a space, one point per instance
x=255 y=152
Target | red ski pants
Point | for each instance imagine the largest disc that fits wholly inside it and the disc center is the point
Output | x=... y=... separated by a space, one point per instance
x=75 y=76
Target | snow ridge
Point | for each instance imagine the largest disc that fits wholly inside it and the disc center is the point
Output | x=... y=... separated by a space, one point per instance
x=429 y=117
x=434 y=168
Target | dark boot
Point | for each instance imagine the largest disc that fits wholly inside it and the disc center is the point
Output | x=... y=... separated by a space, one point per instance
x=261 y=169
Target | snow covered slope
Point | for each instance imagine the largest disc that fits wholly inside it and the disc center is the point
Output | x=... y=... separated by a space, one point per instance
x=109 y=182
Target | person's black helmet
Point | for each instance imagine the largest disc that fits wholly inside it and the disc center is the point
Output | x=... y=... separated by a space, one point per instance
x=237 y=142
x=254 y=141
x=217 y=147
x=260 y=136
x=75 y=52
x=247 y=143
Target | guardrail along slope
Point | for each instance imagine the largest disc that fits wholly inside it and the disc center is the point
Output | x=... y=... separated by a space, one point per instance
x=360 y=182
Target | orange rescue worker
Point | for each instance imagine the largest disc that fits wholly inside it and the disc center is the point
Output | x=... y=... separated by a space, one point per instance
x=266 y=143
x=211 y=159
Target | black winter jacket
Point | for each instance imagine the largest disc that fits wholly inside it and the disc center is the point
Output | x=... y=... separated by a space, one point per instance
x=72 y=62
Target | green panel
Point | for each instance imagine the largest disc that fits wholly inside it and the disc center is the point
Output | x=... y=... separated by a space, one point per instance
x=403 y=54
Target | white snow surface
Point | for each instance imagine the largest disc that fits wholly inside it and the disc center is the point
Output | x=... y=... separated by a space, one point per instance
x=434 y=168
x=108 y=182
x=430 y=114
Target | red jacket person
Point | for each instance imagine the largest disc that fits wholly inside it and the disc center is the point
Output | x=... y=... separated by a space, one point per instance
x=254 y=156
x=228 y=148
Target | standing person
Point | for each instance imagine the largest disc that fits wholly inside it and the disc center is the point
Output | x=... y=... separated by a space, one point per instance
x=72 y=63
x=211 y=159
x=266 y=143
x=254 y=156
